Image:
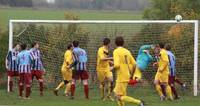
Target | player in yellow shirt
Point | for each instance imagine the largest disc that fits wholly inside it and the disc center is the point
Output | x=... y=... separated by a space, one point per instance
x=124 y=64
x=103 y=68
x=162 y=75
x=66 y=72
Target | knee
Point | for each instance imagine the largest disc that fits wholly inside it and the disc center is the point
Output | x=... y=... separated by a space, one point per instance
x=28 y=85
x=156 y=82
x=20 y=84
x=172 y=85
x=41 y=80
x=110 y=79
x=118 y=97
x=66 y=82
x=85 y=82
x=73 y=81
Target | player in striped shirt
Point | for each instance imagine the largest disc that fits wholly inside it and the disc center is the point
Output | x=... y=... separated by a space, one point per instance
x=80 y=64
x=37 y=68
x=24 y=60
x=11 y=65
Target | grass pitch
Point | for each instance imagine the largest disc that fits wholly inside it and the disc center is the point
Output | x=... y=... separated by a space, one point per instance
x=148 y=95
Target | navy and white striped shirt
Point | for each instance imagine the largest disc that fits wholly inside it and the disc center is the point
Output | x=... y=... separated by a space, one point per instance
x=12 y=60
x=37 y=60
x=172 y=63
x=80 y=57
x=24 y=61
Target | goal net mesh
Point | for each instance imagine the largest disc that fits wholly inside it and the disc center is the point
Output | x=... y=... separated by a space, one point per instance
x=54 y=38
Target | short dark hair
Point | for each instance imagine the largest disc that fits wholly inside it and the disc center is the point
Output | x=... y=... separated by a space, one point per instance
x=23 y=46
x=69 y=46
x=106 y=41
x=119 y=41
x=162 y=45
x=14 y=45
x=168 y=47
x=33 y=44
x=75 y=43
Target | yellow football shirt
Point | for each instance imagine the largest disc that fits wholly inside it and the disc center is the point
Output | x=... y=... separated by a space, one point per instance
x=163 y=61
x=102 y=53
x=123 y=64
x=68 y=59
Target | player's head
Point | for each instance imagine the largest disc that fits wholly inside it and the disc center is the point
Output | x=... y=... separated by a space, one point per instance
x=75 y=43
x=16 y=46
x=162 y=45
x=35 y=45
x=156 y=49
x=168 y=47
x=106 y=41
x=69 y=46
x=23 y=46
x=119 y=41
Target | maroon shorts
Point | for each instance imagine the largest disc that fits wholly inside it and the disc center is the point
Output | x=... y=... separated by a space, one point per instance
x=171 y=79
x=37 y=73
x=83 y=75
x=13 y=73
x=25 y=78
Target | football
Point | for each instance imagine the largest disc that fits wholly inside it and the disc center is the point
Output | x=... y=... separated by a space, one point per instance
x=178 y=18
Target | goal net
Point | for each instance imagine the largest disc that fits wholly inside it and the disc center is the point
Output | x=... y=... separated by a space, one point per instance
x=54 y=35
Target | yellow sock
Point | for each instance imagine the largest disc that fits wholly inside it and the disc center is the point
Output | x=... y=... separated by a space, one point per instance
x=120 y=103
x=159 y=90
x=60 y=85
x=109 y=88
x=102 y=90
x=130 y=100
x=68 y=88
x=169 y=92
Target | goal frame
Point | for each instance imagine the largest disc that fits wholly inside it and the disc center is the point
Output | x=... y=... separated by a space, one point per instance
x=194 y=22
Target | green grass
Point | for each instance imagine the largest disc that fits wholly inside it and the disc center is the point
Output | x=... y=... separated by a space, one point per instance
x=24 y=13
x=149 y=96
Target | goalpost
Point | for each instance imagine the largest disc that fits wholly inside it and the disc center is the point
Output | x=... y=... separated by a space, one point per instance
x=137 y=23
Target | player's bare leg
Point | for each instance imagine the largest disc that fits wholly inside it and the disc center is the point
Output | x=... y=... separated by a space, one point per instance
x=109 y=91
x=102 y=86
x=159 y=90
x=122 y=99
x=58 y=87
x=68 y=89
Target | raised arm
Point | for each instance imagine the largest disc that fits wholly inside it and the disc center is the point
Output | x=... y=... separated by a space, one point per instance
x=144 y=47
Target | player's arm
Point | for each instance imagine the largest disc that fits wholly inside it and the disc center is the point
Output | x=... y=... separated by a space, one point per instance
x=151 y=58
x=75 y=59
x=68 y=58
x=42 y=62
x=7 y=59
x=164 y=58
x=133 y=63
x=116 y=60
x=145 y=47
x=102 y=56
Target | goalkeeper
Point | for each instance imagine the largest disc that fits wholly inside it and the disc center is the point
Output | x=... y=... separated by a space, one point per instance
x=144 y=58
